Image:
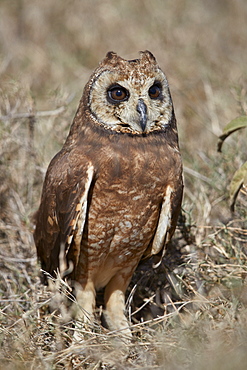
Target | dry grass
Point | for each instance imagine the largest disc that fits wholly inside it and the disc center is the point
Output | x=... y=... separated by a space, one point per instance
x=199 y=293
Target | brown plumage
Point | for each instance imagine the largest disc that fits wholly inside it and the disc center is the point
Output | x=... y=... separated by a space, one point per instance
x=112 y=195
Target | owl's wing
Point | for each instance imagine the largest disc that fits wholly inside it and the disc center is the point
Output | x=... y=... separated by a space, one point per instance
x=166 y=223
x=61 y=217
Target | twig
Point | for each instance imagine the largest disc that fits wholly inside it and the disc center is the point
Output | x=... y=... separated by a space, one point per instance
x=14 y=259
x=33 y=115
x=200 y=177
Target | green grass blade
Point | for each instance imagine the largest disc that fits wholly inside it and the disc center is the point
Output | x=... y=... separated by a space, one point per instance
x=236 y=124
x=239 y=178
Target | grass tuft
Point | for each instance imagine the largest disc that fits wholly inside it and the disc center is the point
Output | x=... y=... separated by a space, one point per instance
x=190 y=312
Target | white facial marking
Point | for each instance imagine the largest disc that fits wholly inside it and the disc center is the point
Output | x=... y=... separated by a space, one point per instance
x=113 y=116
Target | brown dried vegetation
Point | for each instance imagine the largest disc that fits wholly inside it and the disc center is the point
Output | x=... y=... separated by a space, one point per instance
x=190 y=313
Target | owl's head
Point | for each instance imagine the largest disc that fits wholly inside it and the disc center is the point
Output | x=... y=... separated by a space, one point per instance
x=129 y=96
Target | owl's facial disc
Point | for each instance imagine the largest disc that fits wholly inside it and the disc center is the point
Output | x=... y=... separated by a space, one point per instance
x=131 y=102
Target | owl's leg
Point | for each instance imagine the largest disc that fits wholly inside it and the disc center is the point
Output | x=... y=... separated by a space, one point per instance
x=85 y=305
x=115 y=305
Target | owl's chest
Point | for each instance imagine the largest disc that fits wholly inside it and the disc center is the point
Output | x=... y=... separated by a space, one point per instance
x=124 y=206
x=133 y=169
x=129 y=186
x=133 y=180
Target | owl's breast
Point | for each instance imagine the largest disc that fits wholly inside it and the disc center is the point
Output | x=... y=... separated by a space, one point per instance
x=124 y=208
x=121 y=224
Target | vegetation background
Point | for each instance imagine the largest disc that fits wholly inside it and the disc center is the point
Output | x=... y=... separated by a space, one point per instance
x=48 y=49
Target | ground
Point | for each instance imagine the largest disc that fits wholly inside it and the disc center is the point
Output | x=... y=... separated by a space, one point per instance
x=191 y=312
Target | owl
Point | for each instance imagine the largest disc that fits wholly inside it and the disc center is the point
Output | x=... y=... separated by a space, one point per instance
x=113 y=193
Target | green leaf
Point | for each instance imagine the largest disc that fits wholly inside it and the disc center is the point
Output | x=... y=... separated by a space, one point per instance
x=236 y=124
x=239 y=178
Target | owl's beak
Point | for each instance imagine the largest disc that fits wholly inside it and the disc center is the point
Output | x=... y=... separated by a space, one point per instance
x=142 y=110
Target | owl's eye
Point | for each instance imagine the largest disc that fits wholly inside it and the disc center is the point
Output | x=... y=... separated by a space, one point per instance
x=155 y=91
x=117 y=94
